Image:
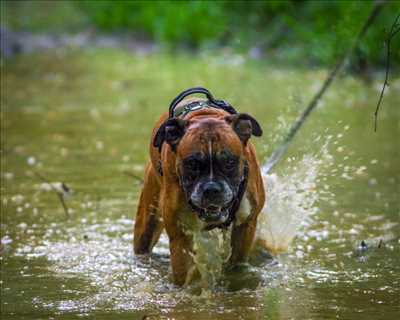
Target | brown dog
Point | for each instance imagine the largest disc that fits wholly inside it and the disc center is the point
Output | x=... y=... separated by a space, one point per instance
x=203 y=167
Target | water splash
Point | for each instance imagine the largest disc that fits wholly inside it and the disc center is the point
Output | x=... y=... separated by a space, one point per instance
x=291 y=199
x=101 y=253
x=212 y=252
x=291 y=202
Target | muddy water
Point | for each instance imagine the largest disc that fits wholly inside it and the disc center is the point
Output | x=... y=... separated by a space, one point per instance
x=85 y=118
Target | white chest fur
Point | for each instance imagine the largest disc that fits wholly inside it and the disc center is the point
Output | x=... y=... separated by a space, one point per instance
x=244 y=211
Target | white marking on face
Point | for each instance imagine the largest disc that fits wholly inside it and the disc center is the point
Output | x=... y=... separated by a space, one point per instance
x=211 y=159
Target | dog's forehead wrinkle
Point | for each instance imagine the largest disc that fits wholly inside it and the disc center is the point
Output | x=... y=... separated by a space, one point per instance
x=203 y=130
x=207 y=124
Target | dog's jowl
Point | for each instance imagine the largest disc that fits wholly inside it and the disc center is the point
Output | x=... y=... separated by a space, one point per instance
x=202 y=166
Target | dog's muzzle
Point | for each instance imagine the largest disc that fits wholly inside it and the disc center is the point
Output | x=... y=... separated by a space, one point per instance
x=212 y=214
x=212 y=201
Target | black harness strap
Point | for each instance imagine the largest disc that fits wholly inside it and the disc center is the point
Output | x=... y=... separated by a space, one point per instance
x=219 y=104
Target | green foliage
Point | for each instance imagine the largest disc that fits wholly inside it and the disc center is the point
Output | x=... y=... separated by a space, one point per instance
x=313 y=32
x=334 y=27
x=173 y=22
x=42 y=15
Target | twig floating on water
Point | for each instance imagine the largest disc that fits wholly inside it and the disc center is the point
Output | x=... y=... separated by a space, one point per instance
x=132 y=175
x=393 y=31
x=60 y=194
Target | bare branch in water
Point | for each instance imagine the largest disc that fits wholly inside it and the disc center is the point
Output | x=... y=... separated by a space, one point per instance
x=392 y=33
x=59 y=194
x=282 y=148
x=133 y=175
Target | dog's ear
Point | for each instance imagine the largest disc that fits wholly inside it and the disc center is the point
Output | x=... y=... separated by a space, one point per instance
x=244 y=125
x=171 y=131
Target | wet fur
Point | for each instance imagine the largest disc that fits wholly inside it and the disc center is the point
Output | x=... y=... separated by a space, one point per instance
x=163 y=200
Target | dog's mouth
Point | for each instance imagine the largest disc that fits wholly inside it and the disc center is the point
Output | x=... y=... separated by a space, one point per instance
x=212 y=214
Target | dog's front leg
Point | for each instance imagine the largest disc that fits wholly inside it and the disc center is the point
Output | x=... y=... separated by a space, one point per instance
x=180 y=244
x=148 y=224
x=242 y=240
x=243 y=232
x=181 y=260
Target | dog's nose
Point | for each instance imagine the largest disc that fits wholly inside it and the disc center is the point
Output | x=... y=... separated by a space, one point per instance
x=212 y=190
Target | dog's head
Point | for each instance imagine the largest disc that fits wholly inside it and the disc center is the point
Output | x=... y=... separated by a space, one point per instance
x=210 y=160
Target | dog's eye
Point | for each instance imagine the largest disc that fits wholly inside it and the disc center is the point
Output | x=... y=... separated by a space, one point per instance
x=192 y=165
x=230 y=164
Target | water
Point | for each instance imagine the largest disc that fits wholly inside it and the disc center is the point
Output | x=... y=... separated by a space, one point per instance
x=86 y=123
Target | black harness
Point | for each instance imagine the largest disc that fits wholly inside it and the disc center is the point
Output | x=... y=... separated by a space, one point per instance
x=211 y=102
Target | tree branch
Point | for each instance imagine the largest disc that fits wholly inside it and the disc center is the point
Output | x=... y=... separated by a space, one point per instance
x=282 y=148
x=59 y=194
x=391 y=35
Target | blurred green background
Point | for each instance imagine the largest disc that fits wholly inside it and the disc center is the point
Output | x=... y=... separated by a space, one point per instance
x=306 y=32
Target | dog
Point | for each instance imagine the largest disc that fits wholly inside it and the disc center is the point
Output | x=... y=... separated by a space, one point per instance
x=203 y=167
